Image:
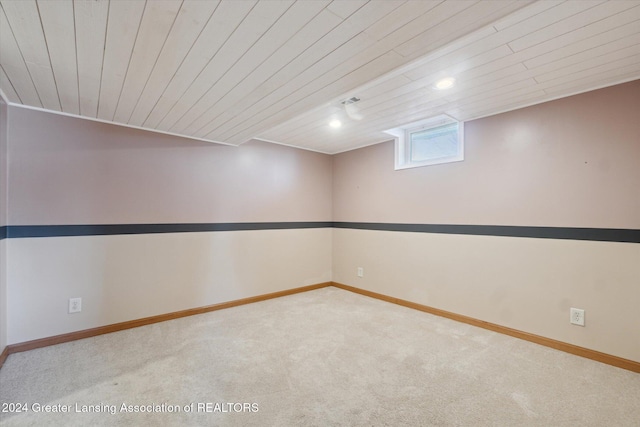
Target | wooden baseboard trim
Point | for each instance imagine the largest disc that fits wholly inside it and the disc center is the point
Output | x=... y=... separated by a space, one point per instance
x=547 y=342
x=3 y=356
x=87 y=333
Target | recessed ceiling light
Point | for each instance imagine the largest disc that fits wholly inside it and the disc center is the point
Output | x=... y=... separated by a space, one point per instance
x=335 y=123
x=446 y=83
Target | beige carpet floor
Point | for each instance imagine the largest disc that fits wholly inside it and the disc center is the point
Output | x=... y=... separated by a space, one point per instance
x=322 y=358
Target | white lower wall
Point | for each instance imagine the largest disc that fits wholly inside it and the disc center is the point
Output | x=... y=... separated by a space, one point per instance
x=127 y=277
x=522 y=283
x=3 y=294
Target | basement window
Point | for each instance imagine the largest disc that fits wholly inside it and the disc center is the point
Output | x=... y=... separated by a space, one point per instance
x=432 y=141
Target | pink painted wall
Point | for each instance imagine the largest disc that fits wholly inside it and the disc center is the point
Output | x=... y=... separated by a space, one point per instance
x=71 y=171
x=3 y=221
x=3 y=162
x=573 y=162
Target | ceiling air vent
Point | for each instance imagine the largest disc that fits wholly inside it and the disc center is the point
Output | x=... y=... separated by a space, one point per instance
x=351 y=100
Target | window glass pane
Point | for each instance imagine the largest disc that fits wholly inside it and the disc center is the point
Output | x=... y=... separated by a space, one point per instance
x=434 y=143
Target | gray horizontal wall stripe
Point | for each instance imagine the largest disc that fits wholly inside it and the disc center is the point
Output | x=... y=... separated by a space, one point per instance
x=21 y=231
x=570 y=233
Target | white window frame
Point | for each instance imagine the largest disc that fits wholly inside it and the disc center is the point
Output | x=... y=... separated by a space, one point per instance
x=402 y=136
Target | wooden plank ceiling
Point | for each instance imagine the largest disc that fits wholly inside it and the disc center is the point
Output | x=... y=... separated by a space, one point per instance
x=229 y=71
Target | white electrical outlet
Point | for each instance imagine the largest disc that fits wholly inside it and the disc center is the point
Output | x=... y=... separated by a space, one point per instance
x=577 y=316
x=360 y=272
x=75 y=305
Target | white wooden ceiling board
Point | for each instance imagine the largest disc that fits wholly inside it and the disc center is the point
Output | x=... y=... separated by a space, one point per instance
x=344 y=9
x=342 y=75
x=530 y=92
x=496 y=94
x=456 y=63
x=91 y=26
x=568 y=74
x=237 y=100
x=569 y=84
x=14 y=66
x=469 y=20
x=618 y=75
x=470 y=86
x=189 y=24
x=434 y=17
x=406 y=93
x=525 y=13
x=413 y=106
x=7 y=87
x=496 y=87
x=416 y=115
x=482 y=110
x=370 y=13
x=228 y=136
x=122 y=28
x=59 y=29
x=400 y=17
x=491 y=40
x=234 y=70
x=417 y=101
x=499 y=38
x=312 y=94
x=310 y=129
x=403 y=34
x=256 y=23
x=378 y=48
x=430 y=57
x=384 y=44
x=477 y=78
x=321 y=113
x=627 y=32
x=304 y=121
x=599 y=28
x=569 y=39
x=488 y=102
x=548 y=16
x=345 y=39
x=395 y=98
x=615 y=50
x=331 y=63
x=496 y=39
x=457 y=25
x=571 y=23
x=403 y=103
x=24 y=21
x=226 y=18
x=352 y=130
x=157 y=22
x=384 y=86
x=292 y=21
x=536 y=22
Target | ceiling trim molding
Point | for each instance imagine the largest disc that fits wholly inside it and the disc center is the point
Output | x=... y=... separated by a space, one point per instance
x=92 y=119
x=76 y=116
x=555 y=98
x=287 y=145
x=5 y=98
